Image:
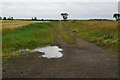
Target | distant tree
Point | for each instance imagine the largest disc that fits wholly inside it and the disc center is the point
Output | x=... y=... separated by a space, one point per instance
x=116 y=16
x=0 y=18
x=32 y=18
x=35 y=18
x=10 y=18
x=4 y=18
x=42 y=19
x=64 y=15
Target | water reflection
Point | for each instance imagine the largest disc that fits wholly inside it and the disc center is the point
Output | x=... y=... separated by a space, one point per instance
x=49 y=51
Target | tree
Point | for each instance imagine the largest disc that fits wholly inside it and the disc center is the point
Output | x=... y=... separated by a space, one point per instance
x=34 y=18
x=0 y=18
x=65 y=15
x=4 y=18
x=10 y=18
x=116 y=16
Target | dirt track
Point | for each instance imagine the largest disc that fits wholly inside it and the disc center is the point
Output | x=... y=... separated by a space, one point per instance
x=82 y=60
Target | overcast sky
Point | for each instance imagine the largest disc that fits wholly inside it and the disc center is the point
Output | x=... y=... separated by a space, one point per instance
x=59 y=0
x=79 y=9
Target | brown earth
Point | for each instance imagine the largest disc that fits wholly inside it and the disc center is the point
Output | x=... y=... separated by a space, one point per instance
x=81 y=60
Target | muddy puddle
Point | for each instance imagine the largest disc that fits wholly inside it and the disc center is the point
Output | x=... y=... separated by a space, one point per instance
x=49 y=51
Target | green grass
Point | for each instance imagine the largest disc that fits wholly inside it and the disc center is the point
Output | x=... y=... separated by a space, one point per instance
x=29 y=36
x=102 y=37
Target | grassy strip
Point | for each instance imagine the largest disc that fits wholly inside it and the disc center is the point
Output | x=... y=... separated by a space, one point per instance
x=102 y=36
x=67 y=37
x=29 y=36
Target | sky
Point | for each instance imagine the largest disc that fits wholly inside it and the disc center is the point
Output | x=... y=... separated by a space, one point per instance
x=59 y=0
x=51 y=9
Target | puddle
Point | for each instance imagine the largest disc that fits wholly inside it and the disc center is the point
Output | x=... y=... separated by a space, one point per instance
x=49 y=51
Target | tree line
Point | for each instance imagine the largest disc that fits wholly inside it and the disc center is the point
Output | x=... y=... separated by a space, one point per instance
x=5 y=18
x=64 y=15
x=116 y=16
